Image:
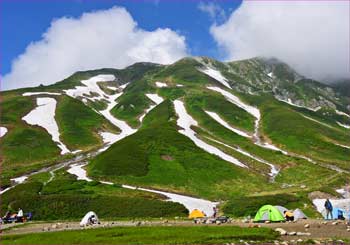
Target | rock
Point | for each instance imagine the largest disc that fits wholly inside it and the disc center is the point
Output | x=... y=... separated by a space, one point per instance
x=245 y=221
x=299 y=240
x=317 y=242
x=324 y=223
x=303 y=186
x=281 y=231
x=335 y=223
x=284 y=243
x=218 y=222
x=267 y=222
x=54 y=226
x=303 y=234
x=348 y=229
x=340 y=241
x=307 y=225
x=138 y=223
x=292 y=233
x=276 y=242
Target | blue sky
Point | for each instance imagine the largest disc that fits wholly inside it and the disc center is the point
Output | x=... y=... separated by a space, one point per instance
x=23 y=22
x=45 y=41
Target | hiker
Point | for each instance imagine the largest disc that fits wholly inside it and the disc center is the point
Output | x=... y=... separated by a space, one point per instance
x=215 y=212
x=329 y=208
x=288 y=215
x=19 y=215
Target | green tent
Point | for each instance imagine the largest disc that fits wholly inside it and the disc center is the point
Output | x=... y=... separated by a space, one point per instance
x=270 y=213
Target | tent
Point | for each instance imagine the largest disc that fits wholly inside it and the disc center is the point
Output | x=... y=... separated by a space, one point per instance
x=336 y=212
x=281 y=209
x=268 y=213
x=196 y=214
x=86 y=218
x=298 y=214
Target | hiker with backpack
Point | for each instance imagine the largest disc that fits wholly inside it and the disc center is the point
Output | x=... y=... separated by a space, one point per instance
x=329 y=208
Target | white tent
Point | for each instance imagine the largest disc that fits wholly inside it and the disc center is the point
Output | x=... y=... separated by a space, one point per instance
x=281 y=209
x=298 y=214
x=86 y=218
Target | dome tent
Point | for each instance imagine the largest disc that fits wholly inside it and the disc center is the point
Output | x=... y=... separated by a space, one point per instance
x=86 y=219
x=268 y=213
x=196 y=214
x=298 y=214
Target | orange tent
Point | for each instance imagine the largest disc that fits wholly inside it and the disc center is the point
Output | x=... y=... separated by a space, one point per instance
x=196 y=214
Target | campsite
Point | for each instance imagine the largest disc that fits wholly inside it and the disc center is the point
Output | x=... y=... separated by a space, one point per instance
x=267 y=226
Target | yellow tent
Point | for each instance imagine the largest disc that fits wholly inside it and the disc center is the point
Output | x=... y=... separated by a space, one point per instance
x=196 y=214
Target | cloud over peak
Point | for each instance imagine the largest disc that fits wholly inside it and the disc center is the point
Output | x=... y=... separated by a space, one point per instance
x=312 y=36
x=108 y=38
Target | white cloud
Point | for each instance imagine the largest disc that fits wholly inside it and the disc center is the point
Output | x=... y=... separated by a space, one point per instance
x=108 y=38
x=312 y=36
x=215 y=12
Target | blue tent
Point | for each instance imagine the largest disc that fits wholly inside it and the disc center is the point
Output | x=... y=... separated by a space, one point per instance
x=337 y=213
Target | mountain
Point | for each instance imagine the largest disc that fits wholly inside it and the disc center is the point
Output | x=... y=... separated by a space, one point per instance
x=251 y=130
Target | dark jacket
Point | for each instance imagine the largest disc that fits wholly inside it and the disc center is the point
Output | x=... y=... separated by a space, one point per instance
x=328 y=205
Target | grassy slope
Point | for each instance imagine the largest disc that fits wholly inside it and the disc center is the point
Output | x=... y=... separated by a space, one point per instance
x=24 y=147
x=139 y=160
x=148 y=235
x=304 y=136
x=132 y=103
x=66 y=198
x=79 y=125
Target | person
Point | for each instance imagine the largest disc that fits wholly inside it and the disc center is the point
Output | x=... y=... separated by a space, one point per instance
x=215 y=212
x=329 y=208
x=20 y=215
x=288 y=215
x=341 y=215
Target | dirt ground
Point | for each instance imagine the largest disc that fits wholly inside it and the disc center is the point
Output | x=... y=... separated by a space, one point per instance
x=318 y=230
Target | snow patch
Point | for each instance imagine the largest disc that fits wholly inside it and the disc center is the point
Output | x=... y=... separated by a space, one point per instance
x=216 y=75
x=179 y=85
x=40 y=93
x=77 y=170
x=190 y=203
x=217 y=118
x=289 y=101
x=155 y=98
x=274 y=171
x=44 y=116
x=344 y=146
x=342 y=113
x=270 y=74
x=236 y=101
x=19 y=180
x=3 y=131
x=185 y=121
x=91 y=86
x=112 y=88
x=343 y=125
x=161 y=85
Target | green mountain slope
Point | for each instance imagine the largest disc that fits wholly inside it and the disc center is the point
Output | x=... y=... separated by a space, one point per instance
x=291 y=133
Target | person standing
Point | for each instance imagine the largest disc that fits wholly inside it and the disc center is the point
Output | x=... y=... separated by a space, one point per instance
x=20 y=215
x=215 y=212
x=329 y=208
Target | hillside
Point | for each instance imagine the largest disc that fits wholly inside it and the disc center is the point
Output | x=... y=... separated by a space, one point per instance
x=245 y=130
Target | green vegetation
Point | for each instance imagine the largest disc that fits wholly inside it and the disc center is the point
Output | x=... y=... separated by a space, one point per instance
x=132 y=103
x=148 y=235
x=24 y=147
x=79 y=125
x=65 y=198
x=160 y=157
